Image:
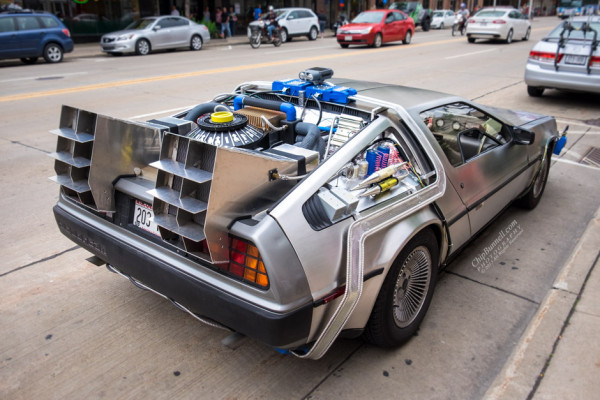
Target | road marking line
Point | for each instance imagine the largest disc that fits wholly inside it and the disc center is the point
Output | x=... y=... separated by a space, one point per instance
x=214 y=71
x=470 y=54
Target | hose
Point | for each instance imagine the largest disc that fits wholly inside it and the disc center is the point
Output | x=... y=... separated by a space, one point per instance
x=202 y=109
x=308 y=136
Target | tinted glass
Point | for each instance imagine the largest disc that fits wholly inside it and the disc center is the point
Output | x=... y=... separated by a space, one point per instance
x=368 y=17
x=28 y=23
x=7 y=24
x=49 y=22
x=576 y=33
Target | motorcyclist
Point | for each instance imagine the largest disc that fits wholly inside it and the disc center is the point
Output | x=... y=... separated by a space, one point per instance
x=272 y=22
x=464 y=13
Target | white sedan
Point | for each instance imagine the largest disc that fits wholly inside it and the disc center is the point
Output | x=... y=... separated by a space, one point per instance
x=500 y=23
x=441 y=19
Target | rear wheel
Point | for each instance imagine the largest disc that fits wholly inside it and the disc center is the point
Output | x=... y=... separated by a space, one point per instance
x=313 y=34
x=535 y=91
x=29 y=60
x=509 y=37
x=407 y=37
x=53 y=53
x=277 y=39
x=426 y=24
x=378 y=40
x=405 y=294
x=142 y=47
x=196 y=42
x=454 y=29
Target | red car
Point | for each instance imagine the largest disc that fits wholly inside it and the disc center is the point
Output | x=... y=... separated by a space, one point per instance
x=375 y=27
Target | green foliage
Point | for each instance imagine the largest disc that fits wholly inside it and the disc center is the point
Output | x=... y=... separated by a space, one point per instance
x=212 y=28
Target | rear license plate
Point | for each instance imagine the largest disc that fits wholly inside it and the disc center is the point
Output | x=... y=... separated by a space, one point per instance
x=143 y=218
x=348 y=38
x=575 y=60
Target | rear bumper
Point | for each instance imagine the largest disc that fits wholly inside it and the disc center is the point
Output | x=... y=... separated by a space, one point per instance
x=537 y=76
x=276 y=329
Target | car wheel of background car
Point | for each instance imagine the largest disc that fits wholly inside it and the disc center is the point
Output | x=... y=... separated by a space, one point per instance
x=29 y=60
x=344 y=46
x=407 y=37
x=377 y=41
x=471 y=40
x=196 y=42
x=441 y=26
x=526 y=37
x=426 y=24
x=535 y=91
x=53 y=53
x=142 y=47
x=313 y=33
x=405 y=294
x=509 y=37
x=284 y=36
x=531 y=199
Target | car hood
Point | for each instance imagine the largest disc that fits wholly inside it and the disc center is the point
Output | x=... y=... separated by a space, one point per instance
x=351 y=27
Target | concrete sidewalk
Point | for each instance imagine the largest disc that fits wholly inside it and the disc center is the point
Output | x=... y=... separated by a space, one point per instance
x=558 y=356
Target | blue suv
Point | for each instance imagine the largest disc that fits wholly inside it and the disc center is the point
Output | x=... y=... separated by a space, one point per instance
x=30 y=35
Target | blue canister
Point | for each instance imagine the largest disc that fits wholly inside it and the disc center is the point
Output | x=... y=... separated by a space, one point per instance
x=371 y=158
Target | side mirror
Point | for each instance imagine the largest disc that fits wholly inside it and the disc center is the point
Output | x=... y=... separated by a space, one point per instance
x=523 y=136
x=290 y=17
x=156 y=28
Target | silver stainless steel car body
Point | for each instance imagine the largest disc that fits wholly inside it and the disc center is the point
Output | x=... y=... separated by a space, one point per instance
x=280 y=236
x=498 y=23
x=567 y=58
x=156 y=33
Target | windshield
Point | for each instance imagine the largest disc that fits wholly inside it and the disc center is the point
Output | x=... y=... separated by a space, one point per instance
x=570 y=3
x=490 y=13
x=576 y=33
x=438 y=14
x=368 y=17
x=406 y=7
x=141 y=23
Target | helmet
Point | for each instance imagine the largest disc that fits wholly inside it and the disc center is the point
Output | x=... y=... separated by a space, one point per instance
x=270 y=8
x=463 y=5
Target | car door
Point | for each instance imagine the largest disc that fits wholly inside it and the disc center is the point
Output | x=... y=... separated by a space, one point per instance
x=389 y=29
x=486 y=167
x=293 y=22
x=9 y=44
x=30 y=35
x=161 y=36
x=449 y=19
x=180 y=32
x=516 y=21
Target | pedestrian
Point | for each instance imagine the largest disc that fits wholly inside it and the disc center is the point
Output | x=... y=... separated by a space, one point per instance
x=322 y=23
x=174 y=10
x=257 y=12
x=206 y=14
x=218 y=18
x=232 y=20
x=225 y=31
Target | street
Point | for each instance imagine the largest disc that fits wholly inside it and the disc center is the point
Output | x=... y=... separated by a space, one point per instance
x=72 y=330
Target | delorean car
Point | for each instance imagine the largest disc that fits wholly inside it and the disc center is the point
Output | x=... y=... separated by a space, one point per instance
x=300 y=210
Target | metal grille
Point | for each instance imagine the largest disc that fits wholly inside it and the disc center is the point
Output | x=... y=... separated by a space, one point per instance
x=592 y=157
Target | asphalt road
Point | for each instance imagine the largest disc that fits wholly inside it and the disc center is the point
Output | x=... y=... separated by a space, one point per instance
x=70 y=329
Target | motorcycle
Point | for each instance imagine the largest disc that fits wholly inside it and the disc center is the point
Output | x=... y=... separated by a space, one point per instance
x=460 y=25
x=258 y=34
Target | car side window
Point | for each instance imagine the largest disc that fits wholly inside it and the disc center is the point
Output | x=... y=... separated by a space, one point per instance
x=399 y=16
x=389 y=18
x=303 y=14
x=293 y=15
x=7 y=24
x=28 y=23
x=49 y=22
x=167 y=23
x=464 y=132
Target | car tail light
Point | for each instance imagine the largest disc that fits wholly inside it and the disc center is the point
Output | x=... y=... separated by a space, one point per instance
x=246 y=262
x=499 y=21
x=544 y=56
x=595 y=61
x=471 y=21
x=66 y=32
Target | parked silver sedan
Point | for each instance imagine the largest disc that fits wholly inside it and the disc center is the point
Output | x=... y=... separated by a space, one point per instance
x=156 y=33
x=567 y=58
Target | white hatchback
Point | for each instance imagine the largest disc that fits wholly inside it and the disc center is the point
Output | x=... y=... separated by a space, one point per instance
x=500 y=23
x=441 y=19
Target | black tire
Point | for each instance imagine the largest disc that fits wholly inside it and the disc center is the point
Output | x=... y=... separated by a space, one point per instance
x=535 y=91
x=196 y=43
x=277 y=40
x=405 y=294
x=407 y=37
x=526 y=37
x=471 y=40
x=284 y=35
x=344 y=46
x=509 y=37
x=378 y=40
x=255 y=41
x=29 y=60
x=454 y=29
x=313 y=34
x=53 y=53
x=533 y=196
x=142 y=47
x=441 y=26
x=463 y=30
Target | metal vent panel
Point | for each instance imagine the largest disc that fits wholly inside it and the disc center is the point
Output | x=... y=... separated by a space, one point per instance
x=173 y=197
x=179 y=169
x=592 y=157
